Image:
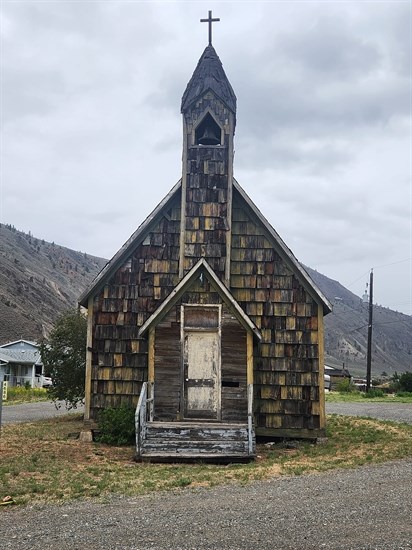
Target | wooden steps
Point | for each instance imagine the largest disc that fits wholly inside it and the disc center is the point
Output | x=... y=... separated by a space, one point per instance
x=196 y=440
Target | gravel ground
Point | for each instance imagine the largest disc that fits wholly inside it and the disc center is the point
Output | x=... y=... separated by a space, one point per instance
x=27 y=412
x=398 y=412
x=366 y=508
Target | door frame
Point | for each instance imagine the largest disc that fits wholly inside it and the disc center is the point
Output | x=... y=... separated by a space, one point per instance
x=218 y=331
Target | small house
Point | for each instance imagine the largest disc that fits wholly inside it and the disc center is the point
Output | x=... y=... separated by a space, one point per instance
x=20 y=364
x=204 y=319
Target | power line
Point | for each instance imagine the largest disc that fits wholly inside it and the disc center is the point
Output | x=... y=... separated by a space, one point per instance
x=393 y=263
x=378 y=267
x=356 y=280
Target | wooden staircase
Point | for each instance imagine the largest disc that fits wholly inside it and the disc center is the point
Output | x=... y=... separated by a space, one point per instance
x=191 y=440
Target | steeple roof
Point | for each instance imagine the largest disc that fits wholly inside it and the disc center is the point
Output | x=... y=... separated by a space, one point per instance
x=209 y=75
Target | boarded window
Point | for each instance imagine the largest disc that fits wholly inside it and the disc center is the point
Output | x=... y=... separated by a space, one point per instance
x=201 y=317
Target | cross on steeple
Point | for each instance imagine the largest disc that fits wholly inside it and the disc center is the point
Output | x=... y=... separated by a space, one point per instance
x=209 y=20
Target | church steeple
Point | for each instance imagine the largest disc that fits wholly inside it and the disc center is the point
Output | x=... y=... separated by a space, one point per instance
x=209 y=119
x=209 y=75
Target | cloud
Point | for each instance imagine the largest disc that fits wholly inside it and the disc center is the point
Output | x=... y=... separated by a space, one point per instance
x=92 y=136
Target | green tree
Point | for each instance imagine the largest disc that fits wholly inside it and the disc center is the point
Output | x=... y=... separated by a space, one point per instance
x=405 y=381
x=64 y=357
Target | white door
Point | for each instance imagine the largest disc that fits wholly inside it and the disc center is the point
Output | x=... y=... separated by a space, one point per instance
x=202 y=365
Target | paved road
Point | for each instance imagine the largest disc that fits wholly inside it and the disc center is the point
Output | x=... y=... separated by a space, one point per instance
x=367 y=508
x=398 y=412
x=27 y=412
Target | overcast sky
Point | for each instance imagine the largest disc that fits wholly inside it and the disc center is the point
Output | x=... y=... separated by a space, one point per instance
x=92 y=131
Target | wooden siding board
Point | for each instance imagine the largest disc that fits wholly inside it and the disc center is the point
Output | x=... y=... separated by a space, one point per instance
x=286 y=361
x=124 y=304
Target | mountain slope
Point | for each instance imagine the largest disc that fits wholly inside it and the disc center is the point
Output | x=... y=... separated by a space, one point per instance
x=346 y=332
x=38 y=281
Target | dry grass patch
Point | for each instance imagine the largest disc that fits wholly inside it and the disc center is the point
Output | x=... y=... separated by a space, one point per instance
x=41 y=461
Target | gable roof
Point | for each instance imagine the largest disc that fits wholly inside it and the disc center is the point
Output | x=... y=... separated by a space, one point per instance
x=132 y=242
x=139 y=235
x=201 y=267
x=22 y=357
x=21 y=341
x=288 y=255
x=209 y=75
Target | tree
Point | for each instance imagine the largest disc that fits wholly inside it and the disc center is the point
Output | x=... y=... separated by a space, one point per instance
x=64 y=358
x=405 y=381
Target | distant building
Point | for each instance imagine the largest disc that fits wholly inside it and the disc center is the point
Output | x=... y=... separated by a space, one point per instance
x=337 y=375
x=20 y=363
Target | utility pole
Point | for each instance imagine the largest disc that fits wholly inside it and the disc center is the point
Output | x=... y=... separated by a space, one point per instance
x=369 y=356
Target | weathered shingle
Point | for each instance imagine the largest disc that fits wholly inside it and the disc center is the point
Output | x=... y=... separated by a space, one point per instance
x=209 y=75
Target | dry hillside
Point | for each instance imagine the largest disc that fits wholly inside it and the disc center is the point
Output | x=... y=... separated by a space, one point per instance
x=38 y=281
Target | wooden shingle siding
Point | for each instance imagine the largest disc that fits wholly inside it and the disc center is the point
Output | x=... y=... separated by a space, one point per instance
x=206 y=191
x=133 y=293
x=286 y=364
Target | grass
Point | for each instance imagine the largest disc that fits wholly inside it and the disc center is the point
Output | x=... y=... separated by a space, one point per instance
x=41 y=461
x=18 y=395
x=359 y=397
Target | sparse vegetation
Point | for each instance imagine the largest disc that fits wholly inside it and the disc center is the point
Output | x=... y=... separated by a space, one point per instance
x=55 y=466
x=357 y=397
x=373 y=393
x=20 y=394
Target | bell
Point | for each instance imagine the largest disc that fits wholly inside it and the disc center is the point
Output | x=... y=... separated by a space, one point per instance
x=209 y=137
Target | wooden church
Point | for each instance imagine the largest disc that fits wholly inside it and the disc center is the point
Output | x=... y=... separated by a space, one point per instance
x=204 y=320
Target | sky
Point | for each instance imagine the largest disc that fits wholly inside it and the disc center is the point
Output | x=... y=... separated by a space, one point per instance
x=91 y=128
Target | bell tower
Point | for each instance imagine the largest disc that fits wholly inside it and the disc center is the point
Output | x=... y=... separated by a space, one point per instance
x=209 y=119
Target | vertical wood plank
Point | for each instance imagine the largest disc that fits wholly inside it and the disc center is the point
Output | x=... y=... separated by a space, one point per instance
x=249 y=374
x=321 y=352
x=89 y=356
x=229 y=204
x=183 y=201
x=151 y=358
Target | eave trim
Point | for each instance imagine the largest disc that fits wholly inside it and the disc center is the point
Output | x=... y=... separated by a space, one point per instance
x=180 y=289
x=133 y=242
x=288 y=254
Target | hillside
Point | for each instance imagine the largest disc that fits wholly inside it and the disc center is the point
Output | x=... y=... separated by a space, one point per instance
x=346 y=332
x=40 y=280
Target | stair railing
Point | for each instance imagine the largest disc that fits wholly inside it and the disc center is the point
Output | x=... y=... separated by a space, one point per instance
x=251 y=438
x=141 y=419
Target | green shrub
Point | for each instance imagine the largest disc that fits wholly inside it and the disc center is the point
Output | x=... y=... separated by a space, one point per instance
x=346 y=386
x=405 y=381
x=404 y=394
x=116 y=426
x=374 y=393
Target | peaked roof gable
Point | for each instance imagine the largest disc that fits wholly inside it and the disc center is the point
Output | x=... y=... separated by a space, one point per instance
x=201 y=267
x=141 y=232
x=209 y=75
x=132 y=242
x=286 y=252
x=19 y=344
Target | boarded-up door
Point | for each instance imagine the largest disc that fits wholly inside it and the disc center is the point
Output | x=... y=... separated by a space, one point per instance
x=201 y=358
